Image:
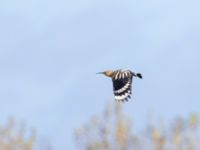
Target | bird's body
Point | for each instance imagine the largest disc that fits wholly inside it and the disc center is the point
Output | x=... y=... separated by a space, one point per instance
x=122 y=83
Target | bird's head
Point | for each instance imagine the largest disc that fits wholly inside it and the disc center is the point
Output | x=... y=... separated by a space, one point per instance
x=108 y=73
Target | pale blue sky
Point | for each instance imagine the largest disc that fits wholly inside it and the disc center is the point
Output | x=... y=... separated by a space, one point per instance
x=51 y=50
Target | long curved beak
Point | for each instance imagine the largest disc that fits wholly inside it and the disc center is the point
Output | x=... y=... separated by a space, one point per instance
x=100 y=73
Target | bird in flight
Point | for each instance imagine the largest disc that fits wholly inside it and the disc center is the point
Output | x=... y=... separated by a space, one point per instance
x=122 y=82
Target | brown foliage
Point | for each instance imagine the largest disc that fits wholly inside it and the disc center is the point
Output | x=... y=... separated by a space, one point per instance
x=13 y=137
x=114 y=132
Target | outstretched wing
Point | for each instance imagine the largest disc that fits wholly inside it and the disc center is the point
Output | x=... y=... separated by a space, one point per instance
x=122 y=85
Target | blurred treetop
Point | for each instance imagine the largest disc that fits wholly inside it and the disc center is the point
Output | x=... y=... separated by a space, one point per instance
x=114 y=131
x=14 y=137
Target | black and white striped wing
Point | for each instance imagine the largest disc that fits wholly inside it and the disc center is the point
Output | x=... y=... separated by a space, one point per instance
x=122 y=86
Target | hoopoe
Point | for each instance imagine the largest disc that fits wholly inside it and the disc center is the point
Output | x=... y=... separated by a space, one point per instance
x=122 y=82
